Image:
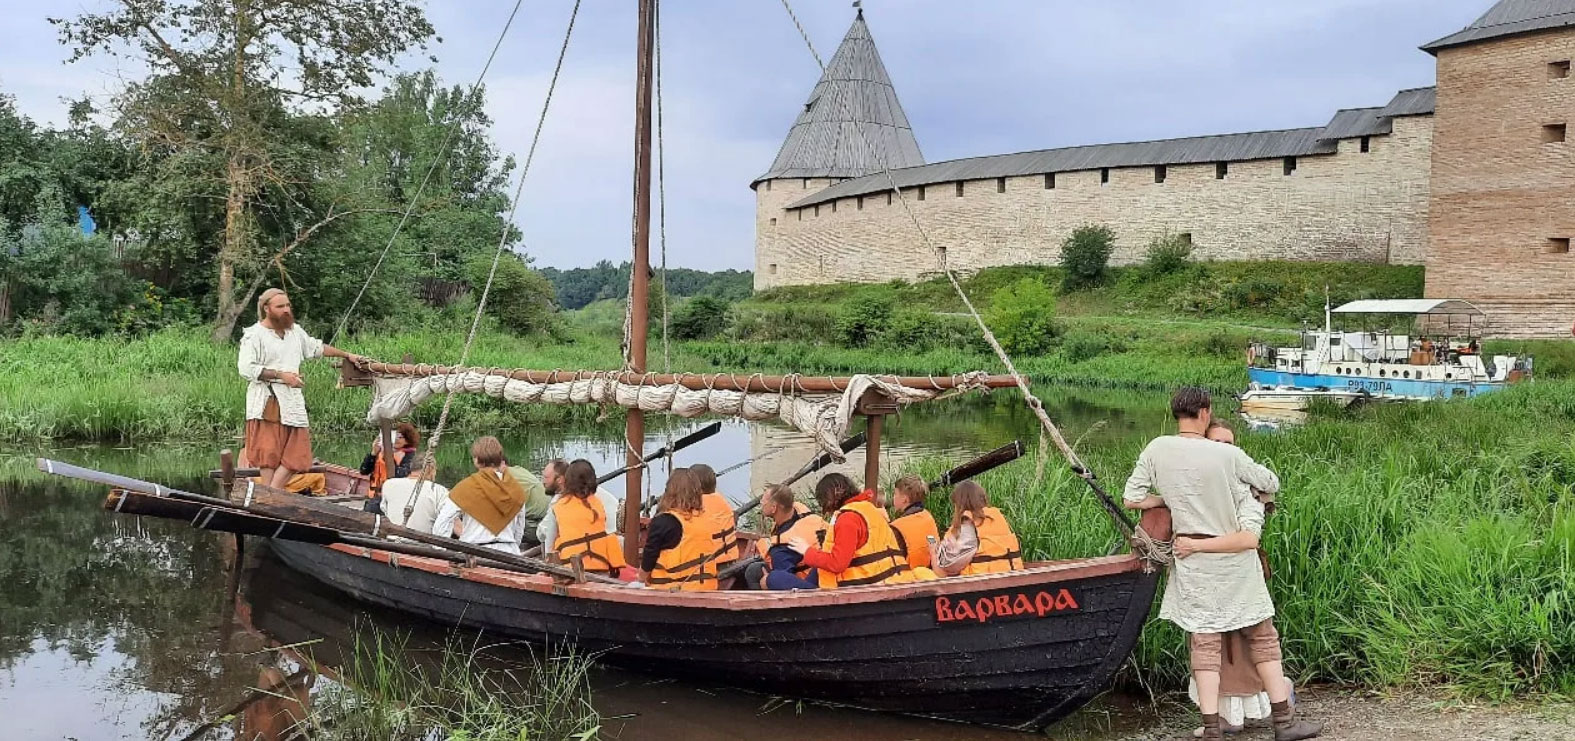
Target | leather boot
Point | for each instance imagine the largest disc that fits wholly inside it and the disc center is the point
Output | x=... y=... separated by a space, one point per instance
x=1211 y=727
x=1288 y=728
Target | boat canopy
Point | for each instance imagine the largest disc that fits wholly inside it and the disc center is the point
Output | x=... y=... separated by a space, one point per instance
x=1415 y=306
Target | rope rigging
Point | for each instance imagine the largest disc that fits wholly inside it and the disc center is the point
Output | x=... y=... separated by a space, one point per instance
x=1147 y=546
x=448 y=137
x=429 y=460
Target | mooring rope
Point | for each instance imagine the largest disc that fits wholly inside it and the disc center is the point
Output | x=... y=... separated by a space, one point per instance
x=448 y=136
x=1048 y=426
x=430 y=460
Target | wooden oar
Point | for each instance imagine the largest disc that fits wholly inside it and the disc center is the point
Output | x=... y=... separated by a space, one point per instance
x=818 y=462
x=282 y=505
x=665 y=450
x=207 y=517
x=998 y=457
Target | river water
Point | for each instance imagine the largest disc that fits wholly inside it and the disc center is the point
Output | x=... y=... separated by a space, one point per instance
x=119 y=628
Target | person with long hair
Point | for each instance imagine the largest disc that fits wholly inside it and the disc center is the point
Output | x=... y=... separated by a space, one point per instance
x=375 y=464
x=278 y=440
x=860 y=548
x=979 y=539
x=581 y=523
x=681 y=544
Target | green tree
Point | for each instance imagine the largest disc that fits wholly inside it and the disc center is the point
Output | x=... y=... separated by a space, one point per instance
x=865 y=319
x=1167 y=254
x=1022 y=316
x=520 y=299
x=1085 y=255
x=225 y=77
x=701 y=317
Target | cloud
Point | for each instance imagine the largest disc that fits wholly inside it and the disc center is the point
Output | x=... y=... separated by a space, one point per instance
x=975 y=78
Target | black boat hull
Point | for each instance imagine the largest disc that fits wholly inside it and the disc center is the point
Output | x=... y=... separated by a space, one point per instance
x=1021 y=650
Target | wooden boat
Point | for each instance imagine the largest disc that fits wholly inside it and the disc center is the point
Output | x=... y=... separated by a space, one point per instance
x=1022 y=649
x=1019 y=649
x=342 y=482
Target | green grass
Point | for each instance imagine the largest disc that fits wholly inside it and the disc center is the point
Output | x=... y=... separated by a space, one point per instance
x=465 y=693
x=1421 y=545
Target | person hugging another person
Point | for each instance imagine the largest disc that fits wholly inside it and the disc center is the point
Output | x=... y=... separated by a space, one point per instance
x=681 y=544
x=781 y=568
x=487 y=507
x=980 y=540
x=1216 y=590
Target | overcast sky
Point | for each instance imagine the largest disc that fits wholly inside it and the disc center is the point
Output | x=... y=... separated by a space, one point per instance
x=975 y=78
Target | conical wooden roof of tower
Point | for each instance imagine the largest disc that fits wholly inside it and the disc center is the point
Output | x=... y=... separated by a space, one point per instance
x=854 y=92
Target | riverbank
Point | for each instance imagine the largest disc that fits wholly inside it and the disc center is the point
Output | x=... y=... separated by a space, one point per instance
x=1416 y=546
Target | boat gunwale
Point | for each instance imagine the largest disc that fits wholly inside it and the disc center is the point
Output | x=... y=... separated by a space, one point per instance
x=1047 y=574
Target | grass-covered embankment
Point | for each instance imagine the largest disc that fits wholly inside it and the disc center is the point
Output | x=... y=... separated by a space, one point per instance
x=1416 y=545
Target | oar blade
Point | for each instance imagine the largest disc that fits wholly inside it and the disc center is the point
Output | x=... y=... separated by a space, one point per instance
x=998 y=457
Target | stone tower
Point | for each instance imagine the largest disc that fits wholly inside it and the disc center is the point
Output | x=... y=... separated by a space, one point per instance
x=1502 y=211
x=851 y=125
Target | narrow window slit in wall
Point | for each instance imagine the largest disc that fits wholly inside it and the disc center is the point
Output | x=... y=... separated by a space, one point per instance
x=1049 y=181
x=1290 y=165
x=1221 y=169
x=1559 y=70
x=1104 y=175
x=1367 y=144
x=959 y=189
x=1160 y=173
x=1000 y=185
x=1552 y=133
x=1557 y=246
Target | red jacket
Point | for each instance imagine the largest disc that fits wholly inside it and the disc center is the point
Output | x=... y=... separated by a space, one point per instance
x=850 y=534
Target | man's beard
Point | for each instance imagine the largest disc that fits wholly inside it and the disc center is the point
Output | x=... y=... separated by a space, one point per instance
x=552 y=491
x=282 y=321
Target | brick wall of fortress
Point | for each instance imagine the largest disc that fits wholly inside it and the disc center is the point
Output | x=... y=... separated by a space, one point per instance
x=1347 y=206
x=1499 y=191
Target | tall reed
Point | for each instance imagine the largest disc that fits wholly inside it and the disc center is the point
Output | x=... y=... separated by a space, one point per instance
x=1429 y=544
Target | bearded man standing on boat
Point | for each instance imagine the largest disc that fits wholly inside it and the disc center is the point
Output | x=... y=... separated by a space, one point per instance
x=1216 y=591
x=278 y=442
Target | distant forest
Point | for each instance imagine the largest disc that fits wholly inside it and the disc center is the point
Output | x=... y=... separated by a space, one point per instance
x=578 y=287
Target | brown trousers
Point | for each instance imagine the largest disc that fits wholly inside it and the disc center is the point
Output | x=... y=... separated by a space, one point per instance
x=272 y=444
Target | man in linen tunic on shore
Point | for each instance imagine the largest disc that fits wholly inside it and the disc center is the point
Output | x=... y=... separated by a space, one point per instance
x=1216 y=591
x=1208 y=488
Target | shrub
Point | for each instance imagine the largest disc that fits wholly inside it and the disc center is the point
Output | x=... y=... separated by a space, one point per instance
x=1168 y=254
x=699 y=318
x=1086 y=256
x=1022 y=316
x=68 y=283
x=521 y=299
x=1082 y=344
x=863 y=320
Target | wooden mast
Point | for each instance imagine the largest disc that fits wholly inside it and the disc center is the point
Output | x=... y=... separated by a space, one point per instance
x=634 y=428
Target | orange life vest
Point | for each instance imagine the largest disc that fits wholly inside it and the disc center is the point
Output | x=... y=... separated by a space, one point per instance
x=582 y=530
x=998 y=548
x=879 y=560
x=724 y=529
x=690 y=565
x=911 y=531
x=812 y=529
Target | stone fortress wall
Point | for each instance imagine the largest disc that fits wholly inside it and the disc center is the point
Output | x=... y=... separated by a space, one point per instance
x=1351 y=205
x=1474 y=178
